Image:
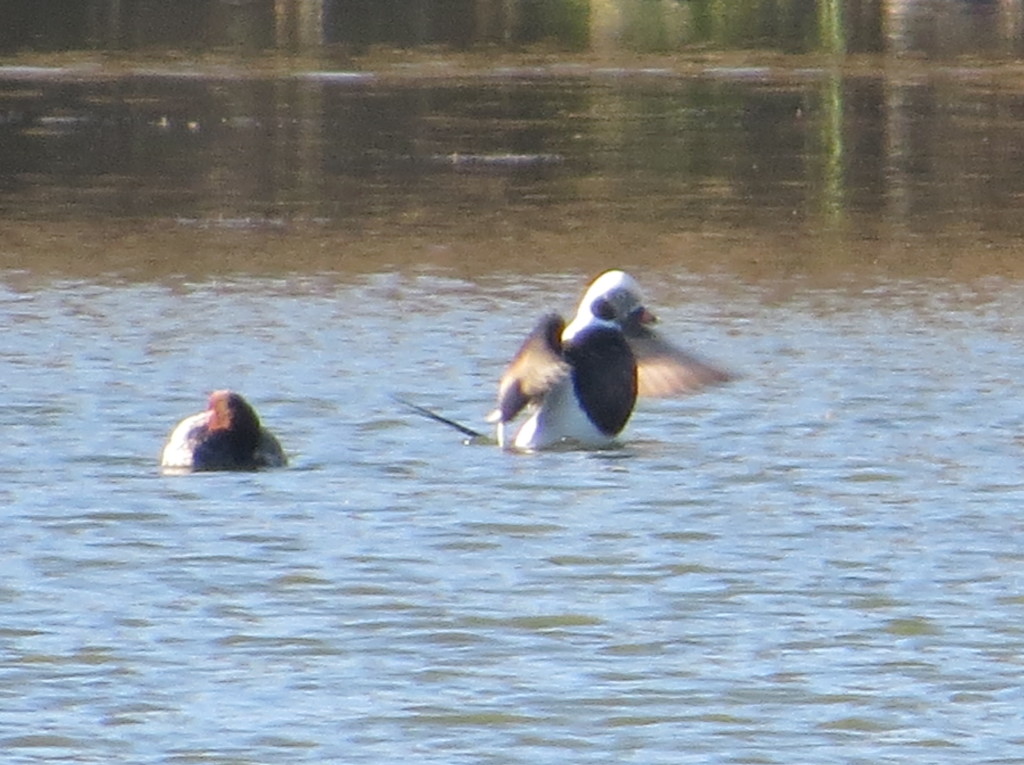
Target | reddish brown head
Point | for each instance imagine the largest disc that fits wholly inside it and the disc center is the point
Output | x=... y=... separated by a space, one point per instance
x=230 y=412
x=230 y=436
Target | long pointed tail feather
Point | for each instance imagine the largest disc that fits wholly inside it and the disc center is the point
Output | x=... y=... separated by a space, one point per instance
x=432 y=415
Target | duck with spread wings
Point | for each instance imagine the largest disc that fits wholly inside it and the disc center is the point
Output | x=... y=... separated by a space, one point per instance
x=580 y=381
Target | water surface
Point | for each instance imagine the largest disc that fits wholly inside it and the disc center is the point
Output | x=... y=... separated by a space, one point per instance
x=817 y=563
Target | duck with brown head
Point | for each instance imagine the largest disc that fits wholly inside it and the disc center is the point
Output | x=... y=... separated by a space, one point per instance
x=227 y=436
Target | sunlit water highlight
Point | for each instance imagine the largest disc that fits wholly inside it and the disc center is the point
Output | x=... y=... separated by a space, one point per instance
x=819 y=563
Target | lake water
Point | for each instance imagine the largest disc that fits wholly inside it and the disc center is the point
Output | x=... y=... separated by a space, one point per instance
x=817 y=563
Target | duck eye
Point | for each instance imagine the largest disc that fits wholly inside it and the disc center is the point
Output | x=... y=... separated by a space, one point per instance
x=602 y=309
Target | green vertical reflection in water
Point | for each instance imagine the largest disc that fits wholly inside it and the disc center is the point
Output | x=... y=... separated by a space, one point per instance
x=833 y=196
x=830 y=27
x=833 y=41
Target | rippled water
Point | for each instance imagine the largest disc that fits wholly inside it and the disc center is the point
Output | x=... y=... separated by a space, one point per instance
x=815 y=564
x=819 y=563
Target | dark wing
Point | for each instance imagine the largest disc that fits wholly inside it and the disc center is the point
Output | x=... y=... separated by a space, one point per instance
x=269 y=452
x=537 y=366
x=663 y=369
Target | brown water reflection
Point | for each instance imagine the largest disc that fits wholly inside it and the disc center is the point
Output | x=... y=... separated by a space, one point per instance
x=766 y=170
x=779 y=260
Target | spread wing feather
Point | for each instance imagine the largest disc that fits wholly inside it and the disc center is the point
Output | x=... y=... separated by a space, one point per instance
x=665 y=370
x=537 y=366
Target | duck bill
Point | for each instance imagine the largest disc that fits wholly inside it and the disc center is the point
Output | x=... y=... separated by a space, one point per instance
x=644 y=317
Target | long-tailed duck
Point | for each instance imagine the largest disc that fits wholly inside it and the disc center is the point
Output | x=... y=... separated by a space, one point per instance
x=581 y=381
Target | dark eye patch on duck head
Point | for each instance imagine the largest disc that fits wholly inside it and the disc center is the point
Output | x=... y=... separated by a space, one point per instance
x=603 y=309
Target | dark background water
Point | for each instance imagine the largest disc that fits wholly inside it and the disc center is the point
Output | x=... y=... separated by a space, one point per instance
x=827 y=128
x=827 y=159
x=340 y=27
x=306 y=24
